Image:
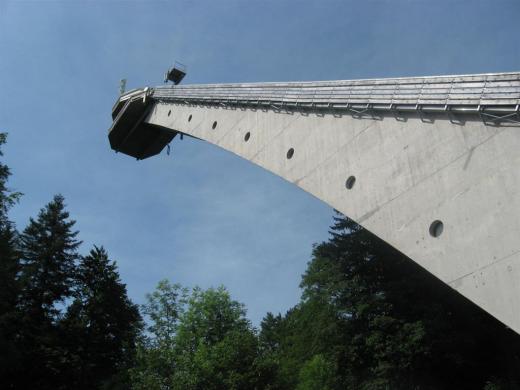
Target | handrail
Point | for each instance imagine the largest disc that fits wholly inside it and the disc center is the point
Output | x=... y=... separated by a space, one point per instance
x=493 y=93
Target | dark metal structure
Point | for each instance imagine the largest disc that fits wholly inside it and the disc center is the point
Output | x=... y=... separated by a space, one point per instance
x=175 y=74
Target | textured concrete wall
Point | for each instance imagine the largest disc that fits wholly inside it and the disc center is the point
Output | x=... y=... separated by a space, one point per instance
x=408 y=174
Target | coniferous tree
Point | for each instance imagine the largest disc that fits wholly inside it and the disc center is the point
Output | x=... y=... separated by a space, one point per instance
x=390 y=324
x=100 y=326
x=48 y=255
x=370 y=318
x=9 y=287
x=39 y=274
x=270 y=332
x=9 y=261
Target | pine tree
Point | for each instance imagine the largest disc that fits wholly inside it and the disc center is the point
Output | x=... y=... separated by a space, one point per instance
x=9 y=262
x=7 y=197
x=48 y=255
x=100 y=326
x=398 y=326
x=9 y=287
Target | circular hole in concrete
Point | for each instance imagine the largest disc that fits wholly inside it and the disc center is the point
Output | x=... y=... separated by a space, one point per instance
x=350 y=182
x=169 y=112
x=214 y=125
x=290 y=153
x=247 y=136
x=436 y=228
x=189 y=118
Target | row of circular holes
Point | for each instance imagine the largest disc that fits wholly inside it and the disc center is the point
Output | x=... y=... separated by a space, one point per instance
x=436 y=227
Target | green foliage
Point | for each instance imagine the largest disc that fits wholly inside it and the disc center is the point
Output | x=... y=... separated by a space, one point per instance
x=224 y=364
x=197 y=341
x=7 y=197
x=316 y=374
x=153 y=367
x=65 y=320
x=210 y=316
x=368 y=319
x=101 y=325
x=215 y=342
x=289 y=342
x=49 y=253
x=10 y=354
x=9 y=255
x=386 y=323
x=164 y=307
x=156 y=355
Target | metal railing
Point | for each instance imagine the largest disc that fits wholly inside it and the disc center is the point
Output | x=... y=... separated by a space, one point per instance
x=495 y=96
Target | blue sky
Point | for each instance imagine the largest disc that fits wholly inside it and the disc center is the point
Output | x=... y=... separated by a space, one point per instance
x=202 y=216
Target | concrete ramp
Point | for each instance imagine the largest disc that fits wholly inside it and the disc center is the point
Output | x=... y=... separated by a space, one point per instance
x=431 y=165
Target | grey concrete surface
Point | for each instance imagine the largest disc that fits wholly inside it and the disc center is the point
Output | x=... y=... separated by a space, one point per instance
x=408 y=173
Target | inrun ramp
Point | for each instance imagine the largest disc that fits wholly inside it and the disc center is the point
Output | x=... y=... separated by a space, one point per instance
x=428 y=164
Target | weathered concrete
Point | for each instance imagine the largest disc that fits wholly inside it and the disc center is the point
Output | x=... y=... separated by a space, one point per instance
x=409 y=172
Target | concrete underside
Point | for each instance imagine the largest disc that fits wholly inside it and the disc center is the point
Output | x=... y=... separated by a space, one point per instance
x=409 y=172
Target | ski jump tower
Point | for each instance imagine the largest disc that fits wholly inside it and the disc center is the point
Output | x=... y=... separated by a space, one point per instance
x=429 y=164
